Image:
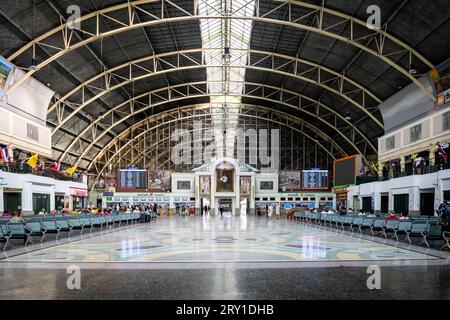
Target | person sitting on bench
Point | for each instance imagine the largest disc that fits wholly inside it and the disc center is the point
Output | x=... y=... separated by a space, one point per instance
x=17 y=218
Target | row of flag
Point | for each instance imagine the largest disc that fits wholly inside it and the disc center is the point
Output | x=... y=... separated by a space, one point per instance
x=439 y=149
x=33 y=160
x=7 y=155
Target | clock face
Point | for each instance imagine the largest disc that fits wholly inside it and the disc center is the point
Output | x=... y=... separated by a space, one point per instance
x=224 y=179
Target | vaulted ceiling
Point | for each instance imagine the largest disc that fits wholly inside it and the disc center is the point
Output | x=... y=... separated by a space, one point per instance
x=315 y=60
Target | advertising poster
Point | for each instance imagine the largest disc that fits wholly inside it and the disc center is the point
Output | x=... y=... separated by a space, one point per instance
x=159 y=181
x=289 y=180
x=5 y=70
x=205 y=184
x=246 y=185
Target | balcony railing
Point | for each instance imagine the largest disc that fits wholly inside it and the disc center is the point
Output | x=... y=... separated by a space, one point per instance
x=404 y=173
x=23 y=168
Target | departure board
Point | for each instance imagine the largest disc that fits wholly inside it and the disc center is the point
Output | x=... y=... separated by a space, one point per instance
x=315 y=179
x=130 y=180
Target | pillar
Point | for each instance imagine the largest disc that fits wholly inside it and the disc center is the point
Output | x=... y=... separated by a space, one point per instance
x=402 y=163
x=197 y=194
x=214 y=202
x=252 y=196
x=52 y=198
x=377 y=202
x=237 y=195
x=432 y=160
x=2 y=202
x=414 y=201
x=390 y=201
x=27 y=198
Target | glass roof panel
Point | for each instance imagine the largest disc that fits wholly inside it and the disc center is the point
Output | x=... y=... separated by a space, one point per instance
x=226 y=73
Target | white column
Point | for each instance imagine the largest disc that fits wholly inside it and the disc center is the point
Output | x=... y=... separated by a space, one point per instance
x=252 y=195
x=2 y=201
x=52 y=198
x=197 y=193
x=377 y=201
x=27 y=198
x=391 y=201
x=237 y=194
x=214 y=203
x=414 y=201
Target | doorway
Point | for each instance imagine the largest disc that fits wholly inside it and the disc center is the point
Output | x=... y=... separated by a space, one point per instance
x=12 y=202
x=227 y=205
x=401 y=203
x=384 y=204
x=367 y=204
x=204 y=202
x=427 y=204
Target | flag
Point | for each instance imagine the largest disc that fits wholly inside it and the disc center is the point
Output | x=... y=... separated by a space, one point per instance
x=56 y=166
x=32 y=161
x=4 y=154
x=71 y=170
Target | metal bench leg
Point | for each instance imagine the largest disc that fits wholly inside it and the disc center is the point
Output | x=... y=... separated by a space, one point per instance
x=43 y=237
x=28 y=240
x=447 y=242
x=395 y=235
x=407 y=237
x=424 y=241
x=57 y=234
x=7 y=243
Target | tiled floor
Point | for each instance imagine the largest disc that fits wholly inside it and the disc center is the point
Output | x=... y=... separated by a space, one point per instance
x=221 y=239
x=225 y=258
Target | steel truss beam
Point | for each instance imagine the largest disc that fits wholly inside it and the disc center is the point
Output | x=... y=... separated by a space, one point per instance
x=147 y=67
x=114 y=149
x=173 y=115
x=158 y=155
x=123 y=17
x=297 y=102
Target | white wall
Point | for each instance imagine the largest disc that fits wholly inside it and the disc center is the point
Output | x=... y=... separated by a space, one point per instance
x=266 y=177
x=28 y=184
x=412 y=185
x=183 y=177
x=13 y=129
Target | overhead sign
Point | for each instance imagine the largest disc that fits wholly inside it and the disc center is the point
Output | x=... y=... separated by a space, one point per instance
x=315 y=179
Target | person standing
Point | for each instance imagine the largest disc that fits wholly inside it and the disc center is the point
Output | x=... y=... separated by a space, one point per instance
x=277 y=211
x=221 y=209
x=269 y=211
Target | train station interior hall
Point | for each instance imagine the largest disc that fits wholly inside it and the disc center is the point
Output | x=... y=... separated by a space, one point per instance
x=224 y=149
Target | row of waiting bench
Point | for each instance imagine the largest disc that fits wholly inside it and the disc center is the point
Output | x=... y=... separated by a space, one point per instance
x=423 y=226
x=37 y=226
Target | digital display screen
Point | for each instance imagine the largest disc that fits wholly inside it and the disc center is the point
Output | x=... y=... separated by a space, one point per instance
x=315 y=179
x=130 y=180
x=344 y=172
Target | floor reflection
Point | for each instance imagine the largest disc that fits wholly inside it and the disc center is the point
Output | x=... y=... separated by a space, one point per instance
x=221 y=239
